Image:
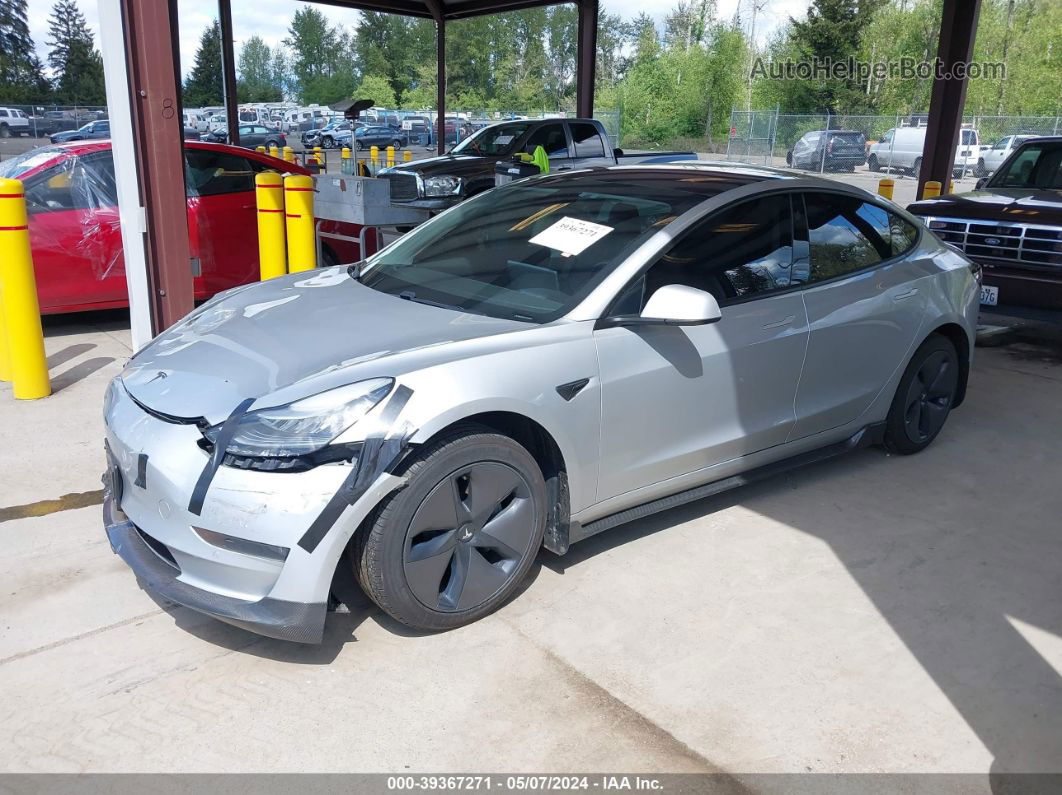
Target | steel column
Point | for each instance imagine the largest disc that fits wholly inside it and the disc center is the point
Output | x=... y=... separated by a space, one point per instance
x=958 y=27
x=586 y=59
x=440 y=102
x=228 y=73
x=151 y=51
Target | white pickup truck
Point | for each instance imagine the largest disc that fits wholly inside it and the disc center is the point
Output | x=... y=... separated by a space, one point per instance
x=13 y=122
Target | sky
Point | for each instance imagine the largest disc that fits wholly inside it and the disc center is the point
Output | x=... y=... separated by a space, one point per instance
x=269 y=18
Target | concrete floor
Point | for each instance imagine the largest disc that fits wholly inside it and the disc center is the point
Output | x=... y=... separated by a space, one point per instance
x=872 y=614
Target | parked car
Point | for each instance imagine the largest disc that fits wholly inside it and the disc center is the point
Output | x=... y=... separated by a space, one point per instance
x=992 y=157
x=379 y=135
x=440 y=182
x=901 y=149
x=196 y=121
x=76 y=237
x=545 y=362
x=251 y=135
x=1011 y=225
x=828 y=150
x=13 y=122
x=87 y=132
x=53 y=121
x=327 y=136
x=191 y=134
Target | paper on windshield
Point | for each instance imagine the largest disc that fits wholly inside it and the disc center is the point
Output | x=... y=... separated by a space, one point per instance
x=571 y=236
x=502 y=140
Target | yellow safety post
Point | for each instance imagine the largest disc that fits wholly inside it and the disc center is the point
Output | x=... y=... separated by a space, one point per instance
x=319 y=154
x=5 y=353
x=269 y=193
x=289 y=154
x=18 y=292
x=345 y=166
x=931 y=190
x=260 y=149
x=298 y=215
x=390 y=156
x=407 y=156
x=886 y=187
x=274 y=151
x=363 y=169
x=374 y=154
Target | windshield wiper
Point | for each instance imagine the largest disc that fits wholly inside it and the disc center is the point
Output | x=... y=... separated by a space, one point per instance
x=409 y=295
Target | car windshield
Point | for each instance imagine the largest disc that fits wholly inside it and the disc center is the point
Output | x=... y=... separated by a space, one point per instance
x=1034 y=166
x=532 y=251
x=494 y=141
x=15 y=167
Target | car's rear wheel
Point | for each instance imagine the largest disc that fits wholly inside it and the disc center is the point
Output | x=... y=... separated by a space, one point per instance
x=872 y=163
x=454 y=544
x=272 y=142
x=916 y=167
x=924 y=397
x=980 y=170
x=5 y=131
x=397 y=144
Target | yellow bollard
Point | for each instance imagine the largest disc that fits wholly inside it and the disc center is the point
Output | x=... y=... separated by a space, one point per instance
x=273 y=151
x=5 y=353
x=345 y=165
x=289 y=154
x=345 y=153
x=269 y=193
x=260 y=149
x=298 y=215
x=18 y=291
x=886 y=187
x=407 y=156
x=390 y=156
x=931 y=190
x=374 y=154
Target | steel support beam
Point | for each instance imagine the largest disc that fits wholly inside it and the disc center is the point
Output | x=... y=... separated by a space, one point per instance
x=440 y=77
x=586 y=58
x=152 y=65
x=228 y=73
x=958 y=27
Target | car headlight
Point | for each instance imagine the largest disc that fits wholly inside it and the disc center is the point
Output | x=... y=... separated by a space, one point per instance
x=442 y=186
x=303 y=426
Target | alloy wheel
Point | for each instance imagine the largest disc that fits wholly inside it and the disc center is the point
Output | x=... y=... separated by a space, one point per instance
x=467 y=538
x=929 y=396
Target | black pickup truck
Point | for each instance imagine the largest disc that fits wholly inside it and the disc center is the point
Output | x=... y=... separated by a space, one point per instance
x=468 y=168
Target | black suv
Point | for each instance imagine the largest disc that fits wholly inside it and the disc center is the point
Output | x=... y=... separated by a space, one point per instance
x=829 y=150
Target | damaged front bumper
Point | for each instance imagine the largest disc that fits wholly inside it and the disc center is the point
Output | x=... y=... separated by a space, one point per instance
x=301 y=622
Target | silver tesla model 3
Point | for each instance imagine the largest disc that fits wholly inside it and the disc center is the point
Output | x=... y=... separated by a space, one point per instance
x=539 y=364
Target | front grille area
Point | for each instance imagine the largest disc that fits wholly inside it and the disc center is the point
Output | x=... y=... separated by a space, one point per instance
x=403 y=186
x=1028 y=244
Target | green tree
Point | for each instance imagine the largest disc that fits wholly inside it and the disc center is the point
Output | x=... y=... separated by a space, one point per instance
x=322 y=64
x=203 y=86
x=77 y=66
x=255 y=63
x=378 y=89
x=21 y=73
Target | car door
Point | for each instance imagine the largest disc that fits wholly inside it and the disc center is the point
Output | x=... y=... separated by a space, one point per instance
x=678 y=399
x=588 y=147
x=221 y=218
x=865 y=304
x=75 y=233
x=554 y=140
x=997 y=154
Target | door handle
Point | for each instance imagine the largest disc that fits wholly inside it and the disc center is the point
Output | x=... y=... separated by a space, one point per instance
x=906 y=294
x=785 y=321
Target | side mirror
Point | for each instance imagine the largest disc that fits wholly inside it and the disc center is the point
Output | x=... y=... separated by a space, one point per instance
x=673 y=305
x=980 y=183
x=617 y=153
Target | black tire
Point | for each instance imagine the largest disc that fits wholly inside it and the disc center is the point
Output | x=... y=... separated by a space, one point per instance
x=979 y=169
x=872 y=163
x=396 y=144
x=924 y=397
x=328 y=142
x=429 y=576
x=5 y=131
x=789 y=158
x=916 y=167
x=271 y=143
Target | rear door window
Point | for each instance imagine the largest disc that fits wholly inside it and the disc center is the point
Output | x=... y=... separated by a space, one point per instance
x=845 y=235
x=550 y=137
x=213 y=173
x=586 y=140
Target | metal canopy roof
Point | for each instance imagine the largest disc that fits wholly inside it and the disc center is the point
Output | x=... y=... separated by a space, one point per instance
x=440 y=9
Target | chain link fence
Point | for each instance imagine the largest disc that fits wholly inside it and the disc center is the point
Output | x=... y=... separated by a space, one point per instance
x=827 y=142
x=40 y=121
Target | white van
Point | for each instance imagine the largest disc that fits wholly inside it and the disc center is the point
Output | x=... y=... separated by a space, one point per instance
x=196 y=121
x=901 y=149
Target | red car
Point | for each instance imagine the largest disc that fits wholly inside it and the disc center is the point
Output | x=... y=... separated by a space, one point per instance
x=77 y=241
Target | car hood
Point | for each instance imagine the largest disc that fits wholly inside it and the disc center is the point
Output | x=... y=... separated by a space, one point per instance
x=452 y=166
x=291 y=337
x=1022 y=205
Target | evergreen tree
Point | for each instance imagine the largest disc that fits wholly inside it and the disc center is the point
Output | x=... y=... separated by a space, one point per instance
x=255 y=64
x=76 y=64
x=203 y=86
x=21 y=74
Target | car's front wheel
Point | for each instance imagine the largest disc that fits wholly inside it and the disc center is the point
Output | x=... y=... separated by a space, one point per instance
x=980 y=170
x=924 y=397
x=455 y=543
